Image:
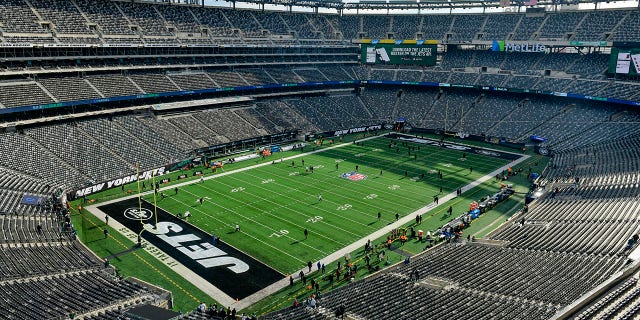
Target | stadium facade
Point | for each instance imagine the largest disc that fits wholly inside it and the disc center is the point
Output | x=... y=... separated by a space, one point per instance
x=93 y=90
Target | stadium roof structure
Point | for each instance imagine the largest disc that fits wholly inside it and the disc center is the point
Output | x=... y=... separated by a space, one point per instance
x=395 y=4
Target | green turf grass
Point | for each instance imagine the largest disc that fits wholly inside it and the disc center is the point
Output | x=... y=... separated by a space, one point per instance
x=132 y=188
x=273 y=204
x=485 y=223
x=138 y=263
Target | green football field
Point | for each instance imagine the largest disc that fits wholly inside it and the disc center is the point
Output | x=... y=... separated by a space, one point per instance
x=273 y=204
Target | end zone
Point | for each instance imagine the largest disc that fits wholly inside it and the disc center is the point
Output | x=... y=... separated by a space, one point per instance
x=506 y=155
x=220 y=270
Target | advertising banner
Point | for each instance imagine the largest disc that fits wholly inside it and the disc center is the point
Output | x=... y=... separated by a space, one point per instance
x=399 y=53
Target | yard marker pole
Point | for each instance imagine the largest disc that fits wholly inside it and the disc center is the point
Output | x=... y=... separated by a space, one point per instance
x=139 y=199
x=155 y=208
x=139 y=192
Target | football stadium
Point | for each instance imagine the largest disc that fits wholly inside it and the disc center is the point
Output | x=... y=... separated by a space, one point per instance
x=319 y=159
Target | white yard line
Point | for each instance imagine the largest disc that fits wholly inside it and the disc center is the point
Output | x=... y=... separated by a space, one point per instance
x=164 y=258
x=283 y=220
x=246 y=302
x=224 y=299
x=284 y=196
x=176 y=266
x=254 y=221
x=344 y=190
x=222 y=174
x=244 y=233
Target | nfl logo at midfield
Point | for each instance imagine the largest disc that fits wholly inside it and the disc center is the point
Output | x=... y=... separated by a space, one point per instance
x=353 y=176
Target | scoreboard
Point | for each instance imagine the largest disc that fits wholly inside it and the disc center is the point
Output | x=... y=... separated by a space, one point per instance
x=624 y=61
x=399 y=52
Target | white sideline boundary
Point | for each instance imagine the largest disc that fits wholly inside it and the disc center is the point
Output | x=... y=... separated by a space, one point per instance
x=381 y=232
x=223 y=298
x=173 y=264
x=176 y=266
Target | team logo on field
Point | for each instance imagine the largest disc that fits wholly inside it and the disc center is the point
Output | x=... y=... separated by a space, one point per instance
x=353 y=176
x=137 y=214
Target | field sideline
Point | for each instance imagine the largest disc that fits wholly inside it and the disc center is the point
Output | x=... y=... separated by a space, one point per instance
x=269 y=200
x=274 y=203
